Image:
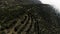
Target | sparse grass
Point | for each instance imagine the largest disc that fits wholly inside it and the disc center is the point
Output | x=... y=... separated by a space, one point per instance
x=44 y=16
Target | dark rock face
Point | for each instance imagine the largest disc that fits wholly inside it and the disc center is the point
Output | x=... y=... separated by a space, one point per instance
x=28 y=19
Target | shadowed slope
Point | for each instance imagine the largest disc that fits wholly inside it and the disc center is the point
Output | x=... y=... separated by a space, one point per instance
x=30 y=19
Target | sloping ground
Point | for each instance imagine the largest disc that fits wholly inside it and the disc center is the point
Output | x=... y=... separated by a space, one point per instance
x=28 y=19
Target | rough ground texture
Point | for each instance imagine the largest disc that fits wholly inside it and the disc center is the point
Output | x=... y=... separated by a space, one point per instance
x=28 y=19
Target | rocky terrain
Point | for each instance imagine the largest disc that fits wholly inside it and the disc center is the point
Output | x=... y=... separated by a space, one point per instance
x=16 y=18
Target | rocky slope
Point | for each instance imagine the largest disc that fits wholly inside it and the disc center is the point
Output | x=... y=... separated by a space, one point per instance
x=28 y=19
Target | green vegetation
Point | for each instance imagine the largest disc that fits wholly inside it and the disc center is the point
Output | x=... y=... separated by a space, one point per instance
x=44 y=15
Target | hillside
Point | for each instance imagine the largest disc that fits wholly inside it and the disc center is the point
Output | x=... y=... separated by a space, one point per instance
x=28 y=19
